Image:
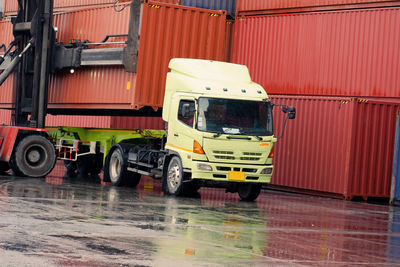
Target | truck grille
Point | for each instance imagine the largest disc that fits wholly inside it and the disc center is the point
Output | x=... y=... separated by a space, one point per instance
x=230 y=155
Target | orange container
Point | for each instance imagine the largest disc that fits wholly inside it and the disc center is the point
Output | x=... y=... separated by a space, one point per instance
x=11 y=6
x=167 y=31
x=257 y=7
x=229 y=35
x=155 y=123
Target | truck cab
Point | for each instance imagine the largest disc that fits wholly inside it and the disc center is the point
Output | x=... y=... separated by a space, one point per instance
x=219 y=128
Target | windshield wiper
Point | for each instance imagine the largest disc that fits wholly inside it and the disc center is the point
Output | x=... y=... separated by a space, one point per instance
x=217 y=135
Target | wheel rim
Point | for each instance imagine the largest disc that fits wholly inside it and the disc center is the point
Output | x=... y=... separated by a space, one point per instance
x=174 y=177
x=35 y=155
x=115 y=168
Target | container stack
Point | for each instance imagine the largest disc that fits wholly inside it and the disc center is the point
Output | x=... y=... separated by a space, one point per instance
x=338 y=63
x=167 y=30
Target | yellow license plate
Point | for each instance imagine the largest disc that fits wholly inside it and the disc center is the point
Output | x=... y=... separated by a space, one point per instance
x=236 y=176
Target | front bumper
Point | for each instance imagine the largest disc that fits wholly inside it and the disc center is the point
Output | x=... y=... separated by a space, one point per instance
x=229 y=172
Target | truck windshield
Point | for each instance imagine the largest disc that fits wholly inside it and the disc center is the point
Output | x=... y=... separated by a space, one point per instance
x=229 y=116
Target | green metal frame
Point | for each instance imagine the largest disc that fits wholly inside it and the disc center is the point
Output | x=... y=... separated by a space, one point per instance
x=105 y=137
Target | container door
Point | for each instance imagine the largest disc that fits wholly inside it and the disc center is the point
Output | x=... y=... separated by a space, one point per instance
x=395 y=190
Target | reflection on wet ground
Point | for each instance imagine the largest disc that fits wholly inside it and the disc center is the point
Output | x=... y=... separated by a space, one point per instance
x=81 y=222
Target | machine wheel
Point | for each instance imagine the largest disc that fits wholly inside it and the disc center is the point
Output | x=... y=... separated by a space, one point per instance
x=117 y=167
x=249 y=192
x=34 y=156
x=174 y=177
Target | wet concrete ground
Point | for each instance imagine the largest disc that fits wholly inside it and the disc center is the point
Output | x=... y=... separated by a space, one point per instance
x=76 y=222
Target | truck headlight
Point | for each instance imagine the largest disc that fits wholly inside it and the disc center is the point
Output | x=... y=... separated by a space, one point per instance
x=204 y=167
x=266 y=171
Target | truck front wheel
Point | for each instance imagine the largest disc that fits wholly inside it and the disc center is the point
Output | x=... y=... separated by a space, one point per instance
x=34 y=156
x=249 y=192
x=174 y=177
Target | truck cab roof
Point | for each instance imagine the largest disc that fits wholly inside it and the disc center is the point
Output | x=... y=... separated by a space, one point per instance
x=220 y=79
x=210 y=70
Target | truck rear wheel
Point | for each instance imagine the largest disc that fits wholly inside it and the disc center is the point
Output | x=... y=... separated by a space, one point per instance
x=34 y=156
x=249 y=192
x=118 y=173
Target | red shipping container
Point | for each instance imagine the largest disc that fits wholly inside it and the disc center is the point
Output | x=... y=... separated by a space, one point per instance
x=338 y=146
x=6 y=92
x=167 y=31
x=11 y=6
x=5 y=117
x=229 y=35
x=251 y=7
x=346 y=53
x=155 y=123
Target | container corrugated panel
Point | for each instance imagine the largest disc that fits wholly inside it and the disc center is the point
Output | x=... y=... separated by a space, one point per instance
x=173 y=31
x=167 y=31
x=6 y=90
x=228 y=5
x=78 y=121
x=349 y=53
x=229 y=35
x=11 y=6
x=373 y=149
x=116 y=122
x=257 y=5
x=5 y=117
x=335 y=145
x=155 y=123
x=315 y=148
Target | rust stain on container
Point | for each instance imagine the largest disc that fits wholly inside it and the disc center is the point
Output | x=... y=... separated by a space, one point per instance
x=341 y=146
x=167 y=31
x=347 y=53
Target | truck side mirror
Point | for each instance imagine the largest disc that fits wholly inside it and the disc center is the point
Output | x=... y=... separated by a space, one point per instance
x=186 y=111
x=291 y=113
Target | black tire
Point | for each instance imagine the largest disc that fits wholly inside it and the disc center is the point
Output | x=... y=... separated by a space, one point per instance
x=117 y=167
x=249 y=192
x=174 y=177
x=34 y=156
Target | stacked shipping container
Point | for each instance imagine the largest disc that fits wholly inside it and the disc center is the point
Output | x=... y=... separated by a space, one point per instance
x=200 y=35
x=340 y=67
x=167 y=31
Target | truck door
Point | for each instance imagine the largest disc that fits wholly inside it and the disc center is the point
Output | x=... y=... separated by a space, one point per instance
x=181 y=129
